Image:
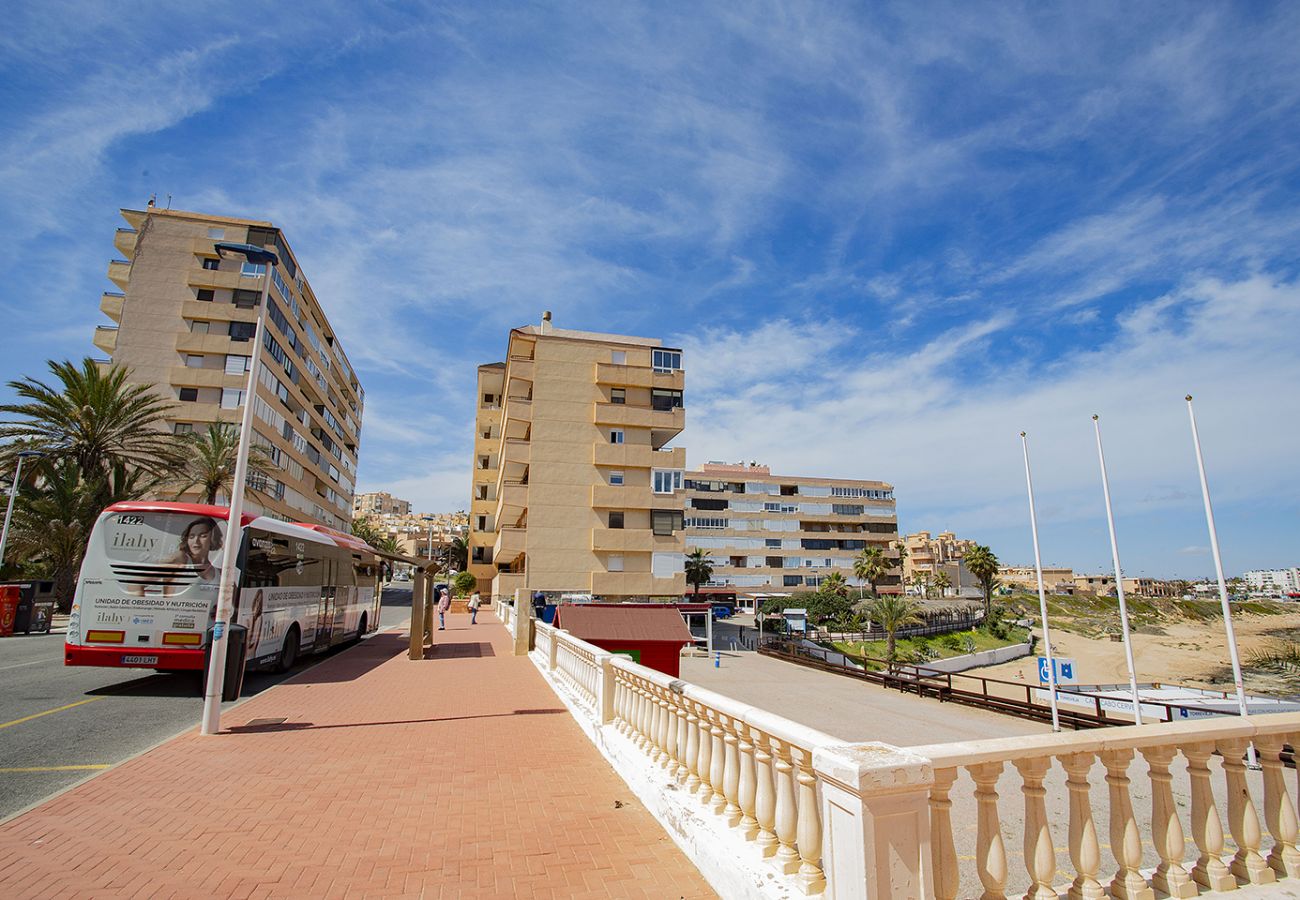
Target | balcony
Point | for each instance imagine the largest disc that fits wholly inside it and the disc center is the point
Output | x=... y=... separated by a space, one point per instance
x=119 y=272
x=634 y=540
x=519 y=367
x=672 y=420
x=106 y=338
x=621 y=496
x=189 y=342
x=211 y=278
x=509 y=544
x=204 y=309
x=518 y=409
x=515 y=451
x=637 y=584
x=504 y=584
x=639 y=376
x=111 y=303
x=513 y=500
x=638 y=456
x=192 y=376
x=125 y=240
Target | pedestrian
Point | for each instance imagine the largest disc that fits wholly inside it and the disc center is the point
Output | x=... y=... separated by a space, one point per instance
x=444 y=604
x=475 y=601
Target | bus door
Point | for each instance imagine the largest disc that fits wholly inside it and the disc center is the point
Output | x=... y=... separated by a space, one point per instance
x=325 y=619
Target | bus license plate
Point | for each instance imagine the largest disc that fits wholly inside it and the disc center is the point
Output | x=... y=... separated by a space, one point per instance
x=128 y=660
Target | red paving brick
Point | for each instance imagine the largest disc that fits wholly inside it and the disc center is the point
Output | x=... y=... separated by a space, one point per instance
x=458 y=776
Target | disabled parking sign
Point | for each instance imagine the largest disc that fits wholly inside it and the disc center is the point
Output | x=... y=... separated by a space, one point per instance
x=1064 y=670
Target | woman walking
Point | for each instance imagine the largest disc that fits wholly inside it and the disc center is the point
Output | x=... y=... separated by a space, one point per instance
x=444 y=604
x=475 y=601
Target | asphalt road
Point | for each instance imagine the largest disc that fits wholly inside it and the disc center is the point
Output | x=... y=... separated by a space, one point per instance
x=59 y=725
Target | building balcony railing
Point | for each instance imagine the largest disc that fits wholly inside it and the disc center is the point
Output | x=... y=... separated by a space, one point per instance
x=106 y=338
x=504 y=584
x=670 y=420
x=637 y=584
x=639 y=376
x=620 y=496
x=512 y=500
x=509 y=544
x=638 y=456
x=119 y=272
x=193 y=376
x=518 y=409
x=214 y=279
x=125 y=240
x=515 y=451
x=111 y=304
x=519 y=368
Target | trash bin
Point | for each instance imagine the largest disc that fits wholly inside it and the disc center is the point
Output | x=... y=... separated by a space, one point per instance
x=236 y=654
x=548 y=613
x=23 y=612
x=9 y=599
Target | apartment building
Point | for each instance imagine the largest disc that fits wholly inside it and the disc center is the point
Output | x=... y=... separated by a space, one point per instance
x=574 y=488
x=379 y=503
x=183 y=322
x=1273 y=582
x=928 y=556
x=1100 y=585
x=783 y=533
x=1056 y=579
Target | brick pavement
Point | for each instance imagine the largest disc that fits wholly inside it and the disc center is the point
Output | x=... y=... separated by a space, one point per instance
x=458 y=776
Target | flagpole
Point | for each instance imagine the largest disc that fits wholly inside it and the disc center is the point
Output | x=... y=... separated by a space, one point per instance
x=1042 y=592
x=1119 y=579
x=1218 y=568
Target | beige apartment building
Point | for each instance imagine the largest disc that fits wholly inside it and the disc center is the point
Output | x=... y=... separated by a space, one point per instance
x=927 y=556
x=783 y=533
x=574 y=489
x=1056 y=579
x=184 y=320
x=379 y=503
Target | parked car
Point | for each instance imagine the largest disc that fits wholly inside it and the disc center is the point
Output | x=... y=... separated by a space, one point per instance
x=721 y=611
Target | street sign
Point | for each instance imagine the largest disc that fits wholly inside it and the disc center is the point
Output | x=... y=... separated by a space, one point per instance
x=1064 y=670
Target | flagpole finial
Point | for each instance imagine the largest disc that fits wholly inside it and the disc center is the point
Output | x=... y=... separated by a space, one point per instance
x=1022 y=434
x=1095 y=417
x=1188 y=398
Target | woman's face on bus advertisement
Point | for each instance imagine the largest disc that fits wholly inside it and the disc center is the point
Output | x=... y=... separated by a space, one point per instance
x=199 y=543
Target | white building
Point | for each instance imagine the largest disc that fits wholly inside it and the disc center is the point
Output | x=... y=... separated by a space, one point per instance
x=1273 y=581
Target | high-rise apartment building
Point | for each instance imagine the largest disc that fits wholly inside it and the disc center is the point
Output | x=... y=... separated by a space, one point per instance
x=379 y=503
x=574 y=489
x=786 y=533
x=184 y=324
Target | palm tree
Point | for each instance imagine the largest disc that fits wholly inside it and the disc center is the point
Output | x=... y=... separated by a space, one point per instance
x=210 y=462
x=835 y=583
x=900 y=548
x=361 y=527
x=981 y=563
x=52 y=522
x=942 y=581
x=699 y=569
x=893 y=612
x=871 y=566
x=458 y=553
x=94 y=418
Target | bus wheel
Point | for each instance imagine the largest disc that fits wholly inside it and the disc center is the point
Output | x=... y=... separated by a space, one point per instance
x=289 y=652
x=361 y=629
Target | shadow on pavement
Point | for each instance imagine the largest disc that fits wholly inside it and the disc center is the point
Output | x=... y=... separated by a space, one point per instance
x=274 y=726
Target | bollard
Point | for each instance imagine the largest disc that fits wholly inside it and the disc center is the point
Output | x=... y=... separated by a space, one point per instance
x=717 y=660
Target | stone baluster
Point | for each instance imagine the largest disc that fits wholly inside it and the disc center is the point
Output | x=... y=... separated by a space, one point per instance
x=990 y=853
x=1085 y=852
x=661 y=728
x=1040 y=856
x=747 y=788
x=787 y=821
x=642 y=717
x=943 y=851
x=717 y=764
x=1243 y=820
x=620 y=701
x=809 y=831
x=671 y=757
x=1125 y=839
x=1166 y=830
x=731 y=771
x=1207 y=829
x=692 y=749
x=681 y=769
x=1279 y=811
x=764 y=795
x=704 y=762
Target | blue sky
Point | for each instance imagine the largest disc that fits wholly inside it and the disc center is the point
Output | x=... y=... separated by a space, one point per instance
x=888 y=237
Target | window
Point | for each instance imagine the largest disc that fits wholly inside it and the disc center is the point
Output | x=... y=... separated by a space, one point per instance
x=183 y=428
x=616 y=519
x=618 y=357
x=190 y=395
x=481 y=492
x=211 y=264
x=246 y=299
x=615 y=477
x=231 y=399
x=791 y=580
x=198 y=326
x=666 y=401
x=242 y=331
x=616 y=436
x=666 y=360
x=482 y=523
x=252 y=270
x=487 y=398
x=206 y=294
x=708 y=522
x=236 y=365
x=665 y=521
x=665 y=481
x=194 y=360
x=615 y=564
x=846 y=509
x=772 y=543
x=618 y=395
x=216 y=233
x=708 y=503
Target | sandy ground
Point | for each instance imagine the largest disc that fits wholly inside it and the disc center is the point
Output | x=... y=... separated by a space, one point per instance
x=1188 y=653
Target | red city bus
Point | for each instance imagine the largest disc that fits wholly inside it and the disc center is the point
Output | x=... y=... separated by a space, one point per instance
x=148 y=588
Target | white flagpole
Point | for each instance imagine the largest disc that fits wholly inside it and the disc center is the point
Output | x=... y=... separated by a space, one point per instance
x=1218 y=568
x=1119 y=580
x=1042 y=592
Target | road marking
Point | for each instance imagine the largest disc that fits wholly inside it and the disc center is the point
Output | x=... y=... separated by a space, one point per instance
x=55 y=768
x=35 y=662
x=48 y=712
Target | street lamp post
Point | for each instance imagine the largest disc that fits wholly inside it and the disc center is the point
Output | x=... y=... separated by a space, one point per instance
x=13 y=494
x=230 y=549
